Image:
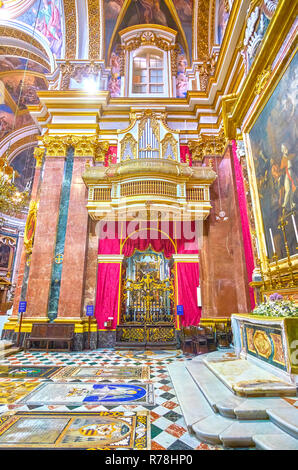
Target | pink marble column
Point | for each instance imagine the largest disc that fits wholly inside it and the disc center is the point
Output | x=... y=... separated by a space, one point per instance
x=74 y=260
x=22 y=252
x=45 y=238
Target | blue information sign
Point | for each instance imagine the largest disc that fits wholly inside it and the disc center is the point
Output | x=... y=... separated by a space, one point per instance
x=22 y=306
x=180 y=310
x=89 y=310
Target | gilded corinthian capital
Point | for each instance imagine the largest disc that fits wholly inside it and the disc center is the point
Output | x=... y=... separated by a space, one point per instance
x=56 y=146
x=207 y=145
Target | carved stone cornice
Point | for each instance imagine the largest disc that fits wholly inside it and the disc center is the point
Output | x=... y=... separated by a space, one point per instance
x=207 y=145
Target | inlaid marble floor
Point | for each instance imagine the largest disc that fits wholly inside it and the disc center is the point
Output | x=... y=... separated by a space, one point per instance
x=168 y=429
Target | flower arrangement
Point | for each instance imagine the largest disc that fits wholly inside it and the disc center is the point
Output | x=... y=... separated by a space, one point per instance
x=276 y=306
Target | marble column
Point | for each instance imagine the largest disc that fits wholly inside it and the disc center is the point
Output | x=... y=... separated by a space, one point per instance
x=223 y=278
x=39 y=281
x=75 y=248
x=23 y=258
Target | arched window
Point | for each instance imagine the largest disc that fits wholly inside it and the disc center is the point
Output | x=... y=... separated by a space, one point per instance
x=148 y=74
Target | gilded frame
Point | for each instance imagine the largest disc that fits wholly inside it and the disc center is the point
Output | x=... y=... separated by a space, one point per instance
x=270 y=81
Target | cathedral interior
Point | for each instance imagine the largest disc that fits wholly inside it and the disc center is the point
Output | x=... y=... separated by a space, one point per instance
x=148 y=237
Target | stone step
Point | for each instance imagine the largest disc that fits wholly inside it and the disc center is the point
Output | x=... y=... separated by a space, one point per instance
x=192 y=402
x=220 y=398
x=249 y=380
x=286 y=419
x=8 y=352
x=281 y=441
x=241 y=433
x=5 y=344
x=224 y=401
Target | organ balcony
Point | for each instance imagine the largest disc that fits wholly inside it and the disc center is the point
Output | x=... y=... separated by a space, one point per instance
x=148 y=172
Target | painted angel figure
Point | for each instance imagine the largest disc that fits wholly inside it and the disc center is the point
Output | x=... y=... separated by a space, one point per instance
x=286 y=166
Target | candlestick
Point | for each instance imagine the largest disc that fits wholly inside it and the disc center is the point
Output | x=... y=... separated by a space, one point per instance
x=272 y=241
x=270 y=273
x=295 y=228
x=282 y=227
x=279 y=283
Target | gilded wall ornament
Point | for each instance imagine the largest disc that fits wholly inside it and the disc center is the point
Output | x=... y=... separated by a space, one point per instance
x=94 y=29
x=207 y=145
x=262 y=80
x=30 y=227
x=38 y=155
x=70 y=18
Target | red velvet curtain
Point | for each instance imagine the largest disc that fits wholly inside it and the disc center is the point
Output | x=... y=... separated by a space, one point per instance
x=188 y=281
x=107 y=293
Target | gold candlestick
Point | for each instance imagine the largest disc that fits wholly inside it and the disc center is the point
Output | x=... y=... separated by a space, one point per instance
x=261 y=271
x=270 y=274
x=282 y=227
x=279 y=282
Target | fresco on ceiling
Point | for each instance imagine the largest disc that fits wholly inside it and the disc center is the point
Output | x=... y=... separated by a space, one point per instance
x=146 y=12
x=6 y=120
x=23 y=90
x=274 y=147
x=19 y=63
x=222 y=19
x=24 y=164
x=45 y=16
x=112 y=10
x=184 y=10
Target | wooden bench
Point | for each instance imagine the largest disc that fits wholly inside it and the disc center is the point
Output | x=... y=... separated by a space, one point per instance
x=50 y=333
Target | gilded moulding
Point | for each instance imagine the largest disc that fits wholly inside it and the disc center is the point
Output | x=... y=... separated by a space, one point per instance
x=236 y=106
x=70 y=18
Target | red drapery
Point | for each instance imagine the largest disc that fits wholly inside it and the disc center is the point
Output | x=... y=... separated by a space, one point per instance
x=161 y=240
x=188 y=281
x=107 y=296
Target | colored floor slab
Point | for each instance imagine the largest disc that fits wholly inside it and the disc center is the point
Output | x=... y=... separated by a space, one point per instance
x=77 y=394
x=42 y=372
x=90 y=374
x=247 y=379
x=105 y=430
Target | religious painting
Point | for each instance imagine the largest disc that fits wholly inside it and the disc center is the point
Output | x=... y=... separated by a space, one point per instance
x=46 y=16
x=4 y=256
x=8 y=63
x=24 y=165
x=6 y=120
x=222 y=19
x=22 y=88
x=273 y=141
x=106 y=430
x=112 y=10
x=78 y=393
x=184 y=10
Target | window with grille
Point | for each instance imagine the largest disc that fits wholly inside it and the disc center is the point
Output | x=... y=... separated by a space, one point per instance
x=148 y=73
